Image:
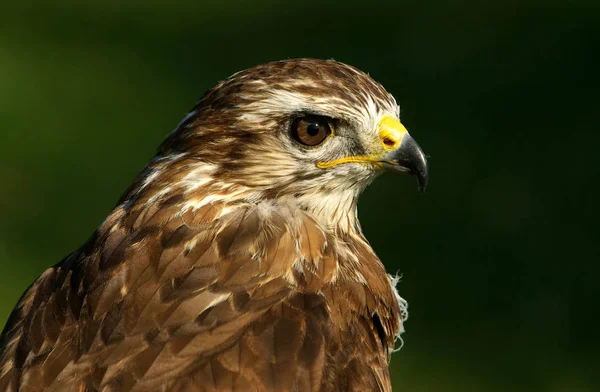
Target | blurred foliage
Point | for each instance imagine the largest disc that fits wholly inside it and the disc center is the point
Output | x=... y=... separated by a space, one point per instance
x=499 y=259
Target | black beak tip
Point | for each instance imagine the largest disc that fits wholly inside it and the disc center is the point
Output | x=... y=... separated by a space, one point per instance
x=413 y=158
x=409 y=158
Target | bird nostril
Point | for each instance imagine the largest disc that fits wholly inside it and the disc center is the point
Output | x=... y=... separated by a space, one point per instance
x=389 y=142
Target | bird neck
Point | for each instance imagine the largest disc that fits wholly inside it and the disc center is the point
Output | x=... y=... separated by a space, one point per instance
x=336 y=210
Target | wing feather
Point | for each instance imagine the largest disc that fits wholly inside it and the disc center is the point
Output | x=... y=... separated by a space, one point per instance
x=208 y=299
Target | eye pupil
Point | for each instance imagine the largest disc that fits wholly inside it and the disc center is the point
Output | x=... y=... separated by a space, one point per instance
x=312 y=129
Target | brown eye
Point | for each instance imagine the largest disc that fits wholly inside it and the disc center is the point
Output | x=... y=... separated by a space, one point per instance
x=311 y=130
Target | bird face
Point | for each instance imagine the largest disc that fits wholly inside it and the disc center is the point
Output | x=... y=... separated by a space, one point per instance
x=312 y=130
x=352 y=151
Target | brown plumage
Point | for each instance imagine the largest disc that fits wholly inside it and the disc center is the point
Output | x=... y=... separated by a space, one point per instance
x=235 y=262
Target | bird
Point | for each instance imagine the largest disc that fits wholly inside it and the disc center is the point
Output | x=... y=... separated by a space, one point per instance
x=236 y=260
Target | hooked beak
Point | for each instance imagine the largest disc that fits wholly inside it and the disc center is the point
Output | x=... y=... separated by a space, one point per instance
x=403 y=153
x=408 y=158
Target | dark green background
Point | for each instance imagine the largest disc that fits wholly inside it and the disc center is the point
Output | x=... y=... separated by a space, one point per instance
x=499 y=259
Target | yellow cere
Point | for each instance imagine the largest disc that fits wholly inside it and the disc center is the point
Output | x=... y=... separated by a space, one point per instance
x=391 y=133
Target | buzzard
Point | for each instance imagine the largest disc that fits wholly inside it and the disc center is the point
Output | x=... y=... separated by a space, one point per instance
x=235 y=261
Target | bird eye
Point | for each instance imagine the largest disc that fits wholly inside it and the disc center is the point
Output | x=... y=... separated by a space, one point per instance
x=311 y=130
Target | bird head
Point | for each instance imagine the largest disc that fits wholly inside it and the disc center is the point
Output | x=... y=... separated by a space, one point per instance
x=316 y=132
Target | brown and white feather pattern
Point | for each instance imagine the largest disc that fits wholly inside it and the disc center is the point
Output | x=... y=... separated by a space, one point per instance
x=210 y=275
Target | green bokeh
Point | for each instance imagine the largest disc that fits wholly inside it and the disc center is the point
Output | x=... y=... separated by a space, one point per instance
x=500 y=259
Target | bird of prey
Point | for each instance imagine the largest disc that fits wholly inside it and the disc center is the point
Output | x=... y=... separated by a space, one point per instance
x=235 y=261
